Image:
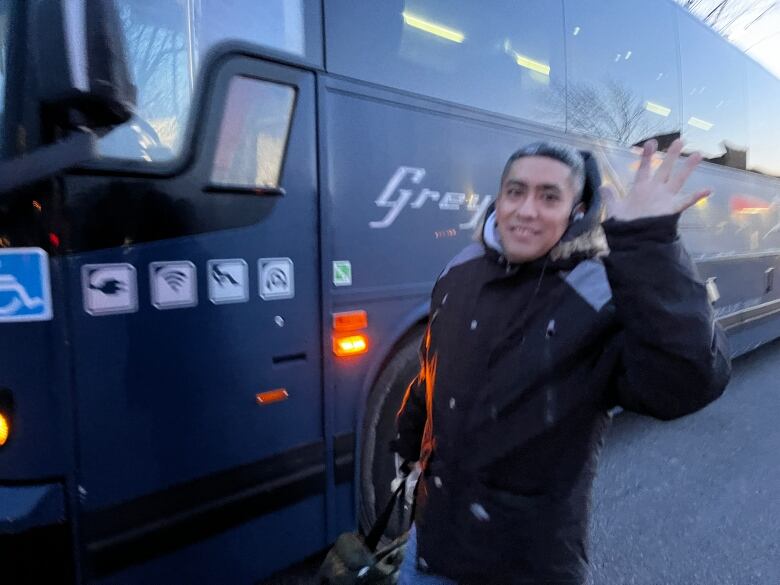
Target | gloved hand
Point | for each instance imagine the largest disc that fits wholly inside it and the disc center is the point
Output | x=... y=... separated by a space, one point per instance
x=409 y=471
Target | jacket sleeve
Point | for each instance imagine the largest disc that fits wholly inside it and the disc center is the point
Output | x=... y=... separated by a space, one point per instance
x=674 y=359
x=411 y=418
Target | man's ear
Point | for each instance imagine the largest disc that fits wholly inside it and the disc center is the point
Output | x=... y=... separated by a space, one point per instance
x=577 y=212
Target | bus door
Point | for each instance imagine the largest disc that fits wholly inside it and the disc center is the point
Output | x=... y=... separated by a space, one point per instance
x=197 y=342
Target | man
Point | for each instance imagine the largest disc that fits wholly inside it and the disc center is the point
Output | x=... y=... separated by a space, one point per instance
x=534 y=334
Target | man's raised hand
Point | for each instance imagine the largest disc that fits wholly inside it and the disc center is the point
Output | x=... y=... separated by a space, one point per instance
x=656 y=194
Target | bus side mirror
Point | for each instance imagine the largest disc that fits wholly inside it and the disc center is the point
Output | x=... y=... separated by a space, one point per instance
x=75 y=52
x=81 y=63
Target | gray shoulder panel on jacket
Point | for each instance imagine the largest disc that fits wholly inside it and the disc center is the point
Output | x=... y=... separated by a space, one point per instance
x=589 y=279
x=470 y=252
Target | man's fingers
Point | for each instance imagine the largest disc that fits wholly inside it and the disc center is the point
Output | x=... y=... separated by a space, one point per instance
x=694 y=199
x=646 y=162
x=676 y=183
x=665 y=170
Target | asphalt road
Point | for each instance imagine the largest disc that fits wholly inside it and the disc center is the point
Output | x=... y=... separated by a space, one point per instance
x=689 y=502
x=697 y=500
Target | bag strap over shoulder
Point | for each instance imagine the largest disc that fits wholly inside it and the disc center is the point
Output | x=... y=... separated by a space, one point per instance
x=378 y=529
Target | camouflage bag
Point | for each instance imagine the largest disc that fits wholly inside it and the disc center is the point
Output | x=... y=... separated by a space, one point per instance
x=354 y=560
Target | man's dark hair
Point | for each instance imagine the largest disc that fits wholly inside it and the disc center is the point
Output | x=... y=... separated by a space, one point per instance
x=569 y=156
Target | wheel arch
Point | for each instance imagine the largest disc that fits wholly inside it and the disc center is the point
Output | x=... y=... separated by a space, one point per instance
x=406 y=329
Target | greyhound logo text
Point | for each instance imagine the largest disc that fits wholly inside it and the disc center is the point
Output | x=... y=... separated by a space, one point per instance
x=403 y=191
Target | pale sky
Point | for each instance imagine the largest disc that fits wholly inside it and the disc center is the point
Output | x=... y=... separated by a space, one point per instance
x=762 y=40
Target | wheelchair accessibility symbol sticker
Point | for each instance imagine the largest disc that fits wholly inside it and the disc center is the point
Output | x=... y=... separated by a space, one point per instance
x=25 y=289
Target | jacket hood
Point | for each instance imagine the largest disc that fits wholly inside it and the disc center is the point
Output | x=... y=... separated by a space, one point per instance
x=584 y=238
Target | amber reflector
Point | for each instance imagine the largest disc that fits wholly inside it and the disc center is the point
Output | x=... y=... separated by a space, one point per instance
x=272 y=396
x=350 y=321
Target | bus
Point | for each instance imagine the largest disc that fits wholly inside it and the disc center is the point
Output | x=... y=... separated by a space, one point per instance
x=208 y=323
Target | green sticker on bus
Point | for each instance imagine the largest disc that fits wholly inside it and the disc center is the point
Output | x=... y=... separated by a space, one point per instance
x=342 y=273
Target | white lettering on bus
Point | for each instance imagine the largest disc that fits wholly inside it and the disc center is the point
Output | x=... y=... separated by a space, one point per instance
x=396 y=199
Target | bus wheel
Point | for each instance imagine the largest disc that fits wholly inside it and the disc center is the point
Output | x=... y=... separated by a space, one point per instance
x=377 y=462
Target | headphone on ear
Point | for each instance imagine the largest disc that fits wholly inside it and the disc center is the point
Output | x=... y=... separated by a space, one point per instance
x=577 y=213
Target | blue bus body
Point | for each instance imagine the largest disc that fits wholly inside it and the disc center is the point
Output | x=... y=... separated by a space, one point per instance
x=141 y=448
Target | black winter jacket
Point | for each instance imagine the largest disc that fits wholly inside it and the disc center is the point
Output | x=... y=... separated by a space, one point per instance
x=519 y=367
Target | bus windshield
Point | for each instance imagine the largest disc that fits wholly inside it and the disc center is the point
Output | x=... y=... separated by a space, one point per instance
x=158 y=40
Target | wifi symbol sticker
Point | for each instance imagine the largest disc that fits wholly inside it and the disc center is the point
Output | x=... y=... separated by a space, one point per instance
x=174 y=284
x=176 y=279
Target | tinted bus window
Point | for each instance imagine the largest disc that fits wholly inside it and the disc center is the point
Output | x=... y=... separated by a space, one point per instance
x=713 y=91
x=167 y=41
x=502 y=56
x=764 y=121
x=253 y=134
x=278 y=24
x=623 y=70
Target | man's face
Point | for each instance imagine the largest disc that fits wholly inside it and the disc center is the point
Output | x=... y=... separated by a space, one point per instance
x=533 y=207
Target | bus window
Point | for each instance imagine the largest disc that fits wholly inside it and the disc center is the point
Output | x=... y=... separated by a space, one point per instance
x=167 y=41
x=713 y=92
x=253 y=134
x=623 y=80
x=278 y=24
x=764 y=121
x=502 y=56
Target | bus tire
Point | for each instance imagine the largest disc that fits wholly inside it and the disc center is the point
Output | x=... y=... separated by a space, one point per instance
x=377 y=462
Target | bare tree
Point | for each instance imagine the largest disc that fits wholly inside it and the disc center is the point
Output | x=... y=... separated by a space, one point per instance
x=726 y=16
x=157 y=45
x=608 y=110
x=158 y=53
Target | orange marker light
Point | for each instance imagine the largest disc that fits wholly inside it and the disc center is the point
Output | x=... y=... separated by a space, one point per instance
x=5 y=429
x=351 y=345
x=272 y=396
x=350 y=321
